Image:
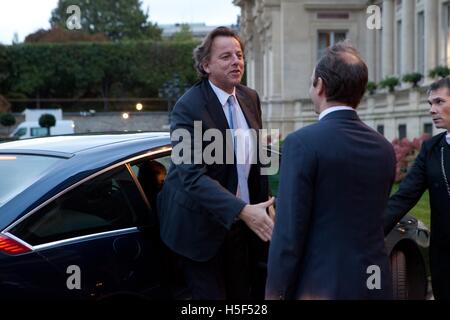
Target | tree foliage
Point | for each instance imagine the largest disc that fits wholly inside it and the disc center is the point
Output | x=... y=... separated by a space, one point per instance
x=47 y=121
x=7 y=119
x=405 y=154
x=88 y=70
x=185 y=34
x=4 y=69
x=60 y=35
x=118 y=19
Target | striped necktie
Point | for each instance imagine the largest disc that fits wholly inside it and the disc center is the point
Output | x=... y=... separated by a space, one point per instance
x=242 y=179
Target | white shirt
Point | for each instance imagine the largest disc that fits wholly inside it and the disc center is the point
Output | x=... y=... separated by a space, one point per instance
x=245 y=145
x=447 y=137
x=332 y=109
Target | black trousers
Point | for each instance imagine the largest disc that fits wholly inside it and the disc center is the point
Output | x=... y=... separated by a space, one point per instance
x=440 y=271
x=227 y=275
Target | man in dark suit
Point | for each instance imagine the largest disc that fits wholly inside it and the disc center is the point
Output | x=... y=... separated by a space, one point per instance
x=431 y=170
x=213 y=214
x=335 y=180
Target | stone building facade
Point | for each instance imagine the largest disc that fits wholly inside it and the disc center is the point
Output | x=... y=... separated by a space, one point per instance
x=285 y=39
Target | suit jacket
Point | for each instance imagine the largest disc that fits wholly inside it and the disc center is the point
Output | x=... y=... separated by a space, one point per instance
x=426 y=173
x=335 y=180
x=197 y=205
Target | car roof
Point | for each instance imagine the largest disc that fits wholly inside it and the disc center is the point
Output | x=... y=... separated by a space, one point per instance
x=68 y=145
x=84 y=155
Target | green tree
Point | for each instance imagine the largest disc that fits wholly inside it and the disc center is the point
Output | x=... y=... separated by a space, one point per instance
x=4 y=69
x=96 y=69
x=33 y=78
x=46 y=121
x=60 y=35
x=185 y=34
x=7 y=120
x=118 y=19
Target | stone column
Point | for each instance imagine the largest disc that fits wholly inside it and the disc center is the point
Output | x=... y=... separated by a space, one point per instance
x=275 y=52
x=370 y=54
x=387 y=58
x=407 y=41
x=431 y=34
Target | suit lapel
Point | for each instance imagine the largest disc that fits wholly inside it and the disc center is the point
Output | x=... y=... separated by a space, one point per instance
x=247 y=107
x=214 y=107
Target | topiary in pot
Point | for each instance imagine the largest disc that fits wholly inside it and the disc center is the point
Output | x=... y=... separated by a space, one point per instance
x=7 y=120
x=439 y=71
x=46 y=121
x=390 y=83
x=371 y=87
x=413 y=78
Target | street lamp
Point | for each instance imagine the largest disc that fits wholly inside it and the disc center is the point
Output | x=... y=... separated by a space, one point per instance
x=139 y=106
x=125 y=115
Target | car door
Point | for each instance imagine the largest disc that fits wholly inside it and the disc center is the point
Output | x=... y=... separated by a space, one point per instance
x=100 y=235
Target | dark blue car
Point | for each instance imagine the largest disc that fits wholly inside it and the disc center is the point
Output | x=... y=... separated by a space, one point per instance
x=77 y=221
x=76 y=216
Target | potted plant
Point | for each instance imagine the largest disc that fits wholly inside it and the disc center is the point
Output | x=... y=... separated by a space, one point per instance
x=7 y=120
x=390 y=83
x=46 y=121
x=439 y=71
x=371 y=87
x=413 y=78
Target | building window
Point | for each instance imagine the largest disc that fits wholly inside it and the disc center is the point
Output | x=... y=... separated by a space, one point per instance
x=428 y=128
x=327 y=39
x=401 y=131
x=380 y=129
x=421 y=43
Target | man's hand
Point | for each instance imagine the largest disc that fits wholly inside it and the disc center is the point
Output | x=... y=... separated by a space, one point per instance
x=271 y=210
x=256 y=218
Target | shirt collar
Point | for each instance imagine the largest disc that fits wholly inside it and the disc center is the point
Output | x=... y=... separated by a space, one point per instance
x=332 y=109
x=222 y=95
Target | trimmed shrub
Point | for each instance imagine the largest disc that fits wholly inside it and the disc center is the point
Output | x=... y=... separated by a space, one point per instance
x=405 y=154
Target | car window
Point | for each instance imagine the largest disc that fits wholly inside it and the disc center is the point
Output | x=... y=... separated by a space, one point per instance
x=20 y=132
x=108 y=202
x=38 y=132
x=151 y=174
x=18 y=172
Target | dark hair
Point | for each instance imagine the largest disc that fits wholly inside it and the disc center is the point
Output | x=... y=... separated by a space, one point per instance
x=343 y=73
x=441 y=83
x=203 y=51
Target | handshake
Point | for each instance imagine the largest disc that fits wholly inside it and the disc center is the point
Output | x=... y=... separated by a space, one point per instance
x=260 y=218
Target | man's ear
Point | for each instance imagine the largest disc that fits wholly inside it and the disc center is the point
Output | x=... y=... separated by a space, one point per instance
x=205 y=66
x=320 y=86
